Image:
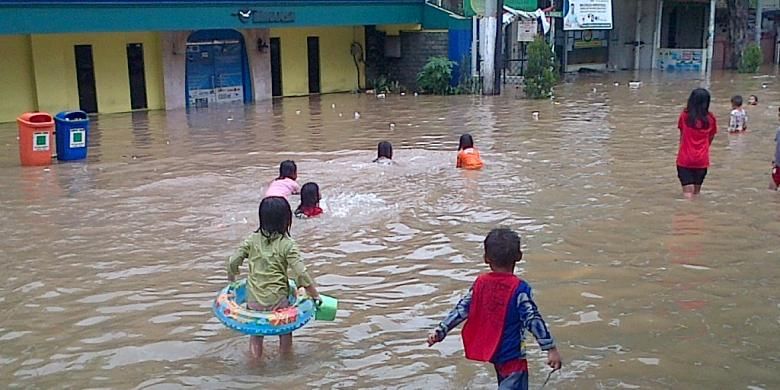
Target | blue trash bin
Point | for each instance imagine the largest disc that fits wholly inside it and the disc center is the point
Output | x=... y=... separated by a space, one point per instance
x=72 y=128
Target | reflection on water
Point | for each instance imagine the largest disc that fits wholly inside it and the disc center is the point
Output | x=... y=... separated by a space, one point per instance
x=111 y=264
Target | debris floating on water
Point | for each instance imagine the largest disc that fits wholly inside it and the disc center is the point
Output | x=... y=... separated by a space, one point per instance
x=535 y=114
x=634 y=84
x=357 y=115
x=297 y=112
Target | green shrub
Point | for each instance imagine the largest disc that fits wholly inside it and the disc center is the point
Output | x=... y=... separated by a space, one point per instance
x=436 y=75
x=540 y=75
x=751 y=59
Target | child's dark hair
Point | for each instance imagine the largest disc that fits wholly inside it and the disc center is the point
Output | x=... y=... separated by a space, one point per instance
x=466 y=142
x=384 y=149
x=699 y=109
x=288 y=170
x=275 y=217
x=736 y=101
x=310 y=196
x=755 y=98
x=502 y=247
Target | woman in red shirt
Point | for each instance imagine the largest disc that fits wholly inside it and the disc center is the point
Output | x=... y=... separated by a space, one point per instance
x=697 y=130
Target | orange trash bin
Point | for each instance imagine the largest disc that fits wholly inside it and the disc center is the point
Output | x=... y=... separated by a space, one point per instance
x=35 y=138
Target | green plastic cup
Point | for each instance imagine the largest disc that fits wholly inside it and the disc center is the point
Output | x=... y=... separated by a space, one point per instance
x=327 y=310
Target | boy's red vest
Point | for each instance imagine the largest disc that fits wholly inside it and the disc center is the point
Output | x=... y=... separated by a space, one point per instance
x=484 y=327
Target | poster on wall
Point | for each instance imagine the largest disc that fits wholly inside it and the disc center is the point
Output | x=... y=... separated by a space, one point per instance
x=587 y=14
x=526 y=30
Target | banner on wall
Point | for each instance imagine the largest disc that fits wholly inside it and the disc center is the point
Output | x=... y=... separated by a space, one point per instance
x=587 y=14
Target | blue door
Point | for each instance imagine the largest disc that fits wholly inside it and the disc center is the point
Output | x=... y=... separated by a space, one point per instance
x=217 y=69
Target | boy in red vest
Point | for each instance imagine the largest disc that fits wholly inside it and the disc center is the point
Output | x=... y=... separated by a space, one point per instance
x=498 y=309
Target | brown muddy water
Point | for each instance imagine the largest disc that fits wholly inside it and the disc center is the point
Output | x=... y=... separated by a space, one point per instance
x=110 y=266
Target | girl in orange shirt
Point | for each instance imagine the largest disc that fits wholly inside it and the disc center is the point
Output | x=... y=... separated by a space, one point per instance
x=468 y=155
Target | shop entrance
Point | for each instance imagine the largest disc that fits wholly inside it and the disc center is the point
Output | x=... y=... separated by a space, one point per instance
x=217 y=68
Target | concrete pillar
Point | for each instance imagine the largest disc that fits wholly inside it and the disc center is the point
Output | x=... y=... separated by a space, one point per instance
x=659 y=14
x=259 y=62
x=710 y=36
x=488 y=35
x=174 y=58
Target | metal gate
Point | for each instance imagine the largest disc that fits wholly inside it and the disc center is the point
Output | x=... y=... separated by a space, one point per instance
x=515 y=56
x=216 y=69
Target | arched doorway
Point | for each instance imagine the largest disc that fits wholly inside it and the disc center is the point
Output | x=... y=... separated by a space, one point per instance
x=217 y=69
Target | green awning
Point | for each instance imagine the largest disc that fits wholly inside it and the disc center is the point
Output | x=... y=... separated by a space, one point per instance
x=477 y=7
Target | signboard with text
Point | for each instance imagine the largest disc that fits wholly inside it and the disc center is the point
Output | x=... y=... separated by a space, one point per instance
x=526 y=30
x=587 y=15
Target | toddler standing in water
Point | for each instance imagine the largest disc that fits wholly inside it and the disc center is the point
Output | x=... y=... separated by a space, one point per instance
x=498 y=309
x=285 y=185
x=310 y=201
x=738 y=119
x=468 y=155
x=697 y=130
x=271 y=253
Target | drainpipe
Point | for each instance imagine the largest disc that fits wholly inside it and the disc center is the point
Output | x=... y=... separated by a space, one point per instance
x=474 y=54
x=638 y=35
x=759 y=16
x=552 y=26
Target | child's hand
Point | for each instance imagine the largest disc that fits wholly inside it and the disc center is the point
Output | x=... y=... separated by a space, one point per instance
x=554 y=359
x=433 y=338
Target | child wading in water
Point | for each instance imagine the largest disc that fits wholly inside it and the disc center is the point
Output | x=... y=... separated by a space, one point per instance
x=468 y=155
x=310 y=201
x=285 y=185
x=697 y=130
x=271 y=253
x=498 y=309
x=738 y=119
x=384 y=153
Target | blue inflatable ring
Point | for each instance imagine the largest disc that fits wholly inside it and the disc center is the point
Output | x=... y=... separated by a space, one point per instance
x=230 y=308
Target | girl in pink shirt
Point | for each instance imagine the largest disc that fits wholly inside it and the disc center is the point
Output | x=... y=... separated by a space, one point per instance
x=285 y=185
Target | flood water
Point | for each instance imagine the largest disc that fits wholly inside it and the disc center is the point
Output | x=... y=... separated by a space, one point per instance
x=110 y=266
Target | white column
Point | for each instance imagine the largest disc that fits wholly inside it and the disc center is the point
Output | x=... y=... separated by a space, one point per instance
x=488 y=60
x=259 y=62
x=659 y=16
x=174 y=59
x=710 y=35
x=488 y=41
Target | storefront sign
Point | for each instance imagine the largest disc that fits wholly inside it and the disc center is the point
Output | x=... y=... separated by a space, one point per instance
x=680 y=59
x=587 y=15
x=526 y=30
x=254 y=16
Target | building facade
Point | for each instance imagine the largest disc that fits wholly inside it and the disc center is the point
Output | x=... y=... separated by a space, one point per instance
x=115 y=56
